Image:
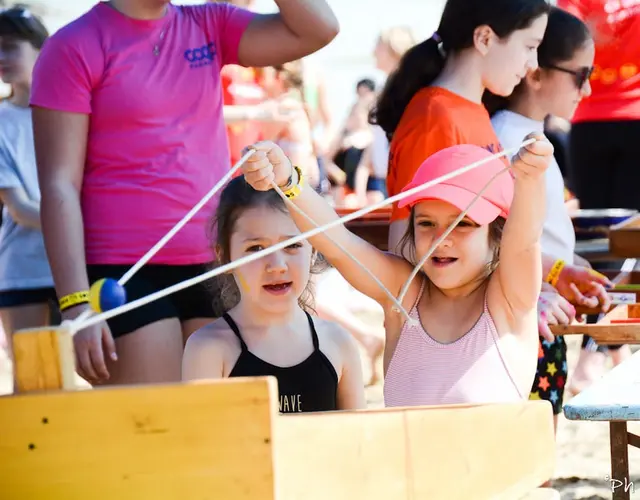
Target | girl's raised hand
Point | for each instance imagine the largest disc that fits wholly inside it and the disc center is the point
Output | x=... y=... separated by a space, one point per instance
x=267 y=164
x=532 y=161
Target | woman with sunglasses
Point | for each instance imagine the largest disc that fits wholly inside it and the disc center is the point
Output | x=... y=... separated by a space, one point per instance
x=565 y=59
x=129 y=135
x=27 y=297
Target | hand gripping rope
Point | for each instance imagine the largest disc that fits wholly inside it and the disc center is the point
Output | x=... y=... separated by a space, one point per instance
x=86 y=319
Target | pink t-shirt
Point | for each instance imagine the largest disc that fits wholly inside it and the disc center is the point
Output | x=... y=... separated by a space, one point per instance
x=157 y=140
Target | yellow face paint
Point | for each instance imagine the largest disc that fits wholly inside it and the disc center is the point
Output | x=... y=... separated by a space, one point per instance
x=241 y=281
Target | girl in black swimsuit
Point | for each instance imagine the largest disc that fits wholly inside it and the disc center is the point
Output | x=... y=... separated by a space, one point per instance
x=270 y=331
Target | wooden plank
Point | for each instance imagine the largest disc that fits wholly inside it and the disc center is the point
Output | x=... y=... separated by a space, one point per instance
x=43 y=359
x=615 y=397
x=604 y=332
x=497 y=452
x=194 y=441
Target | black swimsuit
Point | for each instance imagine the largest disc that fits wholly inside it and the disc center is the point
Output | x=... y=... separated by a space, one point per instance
x=311 y=385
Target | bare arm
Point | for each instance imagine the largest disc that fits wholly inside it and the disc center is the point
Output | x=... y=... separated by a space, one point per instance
x=387 y=267
x=302 y=27
x=60 y=145
x=520 y=268
x=23 y=210
x=203 y=357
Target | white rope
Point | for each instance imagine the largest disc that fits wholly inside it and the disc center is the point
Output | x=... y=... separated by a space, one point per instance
x=165 y=239
x=76 y=325
x=397 y=303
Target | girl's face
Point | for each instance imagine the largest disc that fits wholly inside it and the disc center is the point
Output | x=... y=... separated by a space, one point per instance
x=275 y=282
x=507 y=61
x=564 y=86
x=462 y=257
x=17 y=59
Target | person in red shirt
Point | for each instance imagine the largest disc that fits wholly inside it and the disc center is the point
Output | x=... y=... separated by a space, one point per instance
x=240 y=87
x=604 y=166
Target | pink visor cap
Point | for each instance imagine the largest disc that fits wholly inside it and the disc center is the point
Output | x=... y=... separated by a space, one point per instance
x=460 y=190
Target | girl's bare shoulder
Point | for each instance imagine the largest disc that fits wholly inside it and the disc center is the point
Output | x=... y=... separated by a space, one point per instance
x=216 y=334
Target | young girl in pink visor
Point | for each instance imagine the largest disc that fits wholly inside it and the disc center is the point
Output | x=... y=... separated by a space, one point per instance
x=474 y=334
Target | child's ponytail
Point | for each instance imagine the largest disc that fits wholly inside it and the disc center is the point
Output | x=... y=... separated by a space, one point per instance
x=418 y=68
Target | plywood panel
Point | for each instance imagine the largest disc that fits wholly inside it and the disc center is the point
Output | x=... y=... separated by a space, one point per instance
x=43 y=360
x=197 y=441
x=452 y=452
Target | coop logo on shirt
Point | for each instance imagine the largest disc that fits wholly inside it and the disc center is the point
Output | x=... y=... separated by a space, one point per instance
x=200 y=56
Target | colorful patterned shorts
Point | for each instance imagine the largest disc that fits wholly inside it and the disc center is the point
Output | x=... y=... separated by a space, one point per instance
x=551 y=374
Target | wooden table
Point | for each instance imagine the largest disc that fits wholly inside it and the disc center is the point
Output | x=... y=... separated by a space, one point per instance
x=615 y=399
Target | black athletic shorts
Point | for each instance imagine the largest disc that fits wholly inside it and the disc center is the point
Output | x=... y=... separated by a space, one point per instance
x=204 y=300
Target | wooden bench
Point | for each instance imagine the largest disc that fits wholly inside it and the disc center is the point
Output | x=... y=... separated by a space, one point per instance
x=225 y=439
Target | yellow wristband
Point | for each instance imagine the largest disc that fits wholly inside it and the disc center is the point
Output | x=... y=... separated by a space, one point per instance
x=295 y=189
x=554 y=274
x=73 y=299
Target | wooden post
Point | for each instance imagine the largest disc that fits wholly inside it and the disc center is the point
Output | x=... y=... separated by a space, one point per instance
x=43 y=359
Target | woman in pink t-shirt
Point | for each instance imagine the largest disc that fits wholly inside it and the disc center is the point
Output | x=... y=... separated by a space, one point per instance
x=129 y=135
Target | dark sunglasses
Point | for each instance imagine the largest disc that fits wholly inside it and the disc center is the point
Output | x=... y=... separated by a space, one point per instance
x=581 y=76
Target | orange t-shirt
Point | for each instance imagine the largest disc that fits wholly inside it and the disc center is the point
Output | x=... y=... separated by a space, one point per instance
x=615 y=83
x=434 y=119
x=240 y=87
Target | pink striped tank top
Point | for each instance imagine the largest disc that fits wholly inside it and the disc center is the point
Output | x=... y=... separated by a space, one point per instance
x=424 y=372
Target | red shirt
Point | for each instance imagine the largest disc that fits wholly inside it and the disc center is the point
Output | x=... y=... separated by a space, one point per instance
x=615 y=84
x=240 y=87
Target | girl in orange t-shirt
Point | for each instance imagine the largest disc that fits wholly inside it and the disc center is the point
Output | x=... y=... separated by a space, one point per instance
x=434 y=99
